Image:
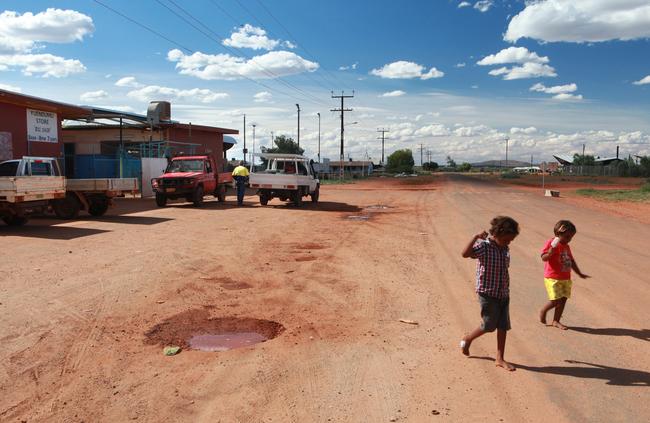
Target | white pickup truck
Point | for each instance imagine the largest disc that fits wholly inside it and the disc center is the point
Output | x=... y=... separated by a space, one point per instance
x=287 y=177
x=34 y=185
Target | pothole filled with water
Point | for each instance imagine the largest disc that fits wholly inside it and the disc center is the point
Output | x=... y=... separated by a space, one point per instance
x=359 y=218
x=378 y=207
x=196 y=329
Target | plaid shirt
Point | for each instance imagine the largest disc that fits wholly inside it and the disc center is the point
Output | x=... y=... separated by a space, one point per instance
x=492 y=277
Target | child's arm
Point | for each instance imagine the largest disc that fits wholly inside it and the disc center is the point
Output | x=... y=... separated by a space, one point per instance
x=547 y=255
x=468 y=252
x=576 y=269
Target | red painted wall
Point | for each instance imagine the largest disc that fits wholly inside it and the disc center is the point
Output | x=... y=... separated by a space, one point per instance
x=13 y=119
x=212 y=141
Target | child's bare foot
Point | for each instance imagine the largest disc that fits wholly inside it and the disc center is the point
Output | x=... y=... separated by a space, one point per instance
x=502 y=363
x=542 y=316
x=559 y=325
x=464 y=346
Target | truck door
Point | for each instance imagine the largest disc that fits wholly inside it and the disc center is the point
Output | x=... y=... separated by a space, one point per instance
x=210 y=179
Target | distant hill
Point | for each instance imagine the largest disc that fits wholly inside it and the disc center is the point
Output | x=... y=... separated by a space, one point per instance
x=500 y=163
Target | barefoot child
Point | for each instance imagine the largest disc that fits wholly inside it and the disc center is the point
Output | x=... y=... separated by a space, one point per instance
x=558 y=262
x=492 y=283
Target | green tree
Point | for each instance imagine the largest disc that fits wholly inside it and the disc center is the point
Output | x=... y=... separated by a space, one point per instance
x=464 y=167
x=284 y=145
x=451 y=163
x=431 y=166
x=400 y=161
x=584 y=160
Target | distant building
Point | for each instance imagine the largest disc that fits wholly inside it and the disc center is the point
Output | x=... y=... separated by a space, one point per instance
x=354 y=168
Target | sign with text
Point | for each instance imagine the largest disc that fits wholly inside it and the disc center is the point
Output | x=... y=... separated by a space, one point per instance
x=42 y=126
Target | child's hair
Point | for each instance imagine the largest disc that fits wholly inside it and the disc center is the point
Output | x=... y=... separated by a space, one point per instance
x=564 y=226
x=504 y=225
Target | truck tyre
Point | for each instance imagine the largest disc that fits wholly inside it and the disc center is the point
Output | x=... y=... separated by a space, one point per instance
x=315 y=195
x=220 y=193
x=197 y=198
x=67 y=208
x=297 y=198
x=98 y=206
x=14 y=220
x=264 y=199
x=161 y=200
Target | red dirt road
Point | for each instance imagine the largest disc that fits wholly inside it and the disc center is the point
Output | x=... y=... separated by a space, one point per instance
x=87 y=306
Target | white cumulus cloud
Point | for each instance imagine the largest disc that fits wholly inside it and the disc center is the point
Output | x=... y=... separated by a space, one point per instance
x=527 y=131
x=643 y=81
x=464 y=4
x=406 y=70
x=263 y=97
x=512 y=55
x=155 y=92
x=483 y=5
x=223 y=66
x=558 y=89
x=128 y=81
x=93 y=95
x=434 y=130
x=581 y=21
x=13 y=88
x=45 y=65
x=567 y=97
x=396 y=93
x=527 y=70
x=249 y=36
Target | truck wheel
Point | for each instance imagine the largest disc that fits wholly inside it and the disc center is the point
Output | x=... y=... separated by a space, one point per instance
x=67 y=208
x=264 y=200
x=14 y=220
x=161 y=200
x=197 y=198
x=98 y=207
x=220 y=193
x=297 y=198
x=315 y=195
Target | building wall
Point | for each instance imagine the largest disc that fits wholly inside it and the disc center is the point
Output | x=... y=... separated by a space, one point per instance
x=212 y=142
x=13 y=121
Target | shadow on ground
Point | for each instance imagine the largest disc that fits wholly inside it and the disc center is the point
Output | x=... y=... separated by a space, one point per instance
x=642 y=334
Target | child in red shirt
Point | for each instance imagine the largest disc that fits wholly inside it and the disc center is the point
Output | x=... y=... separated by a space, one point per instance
x=558 y=262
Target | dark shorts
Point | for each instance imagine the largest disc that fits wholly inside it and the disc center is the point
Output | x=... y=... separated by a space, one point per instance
x=495 y=313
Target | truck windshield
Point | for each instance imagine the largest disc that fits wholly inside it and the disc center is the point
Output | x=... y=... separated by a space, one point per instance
x=9 y=168
x=185 y=166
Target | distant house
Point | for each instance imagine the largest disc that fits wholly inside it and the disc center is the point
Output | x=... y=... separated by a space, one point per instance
x=354 y=168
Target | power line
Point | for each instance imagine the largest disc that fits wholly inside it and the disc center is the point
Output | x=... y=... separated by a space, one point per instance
x=232 y=50
x=334 y=77
x=342 y=110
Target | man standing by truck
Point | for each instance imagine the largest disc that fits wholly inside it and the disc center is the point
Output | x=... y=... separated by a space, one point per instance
x=240 y=174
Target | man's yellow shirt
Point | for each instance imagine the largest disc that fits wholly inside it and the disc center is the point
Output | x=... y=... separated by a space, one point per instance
x=240 y=171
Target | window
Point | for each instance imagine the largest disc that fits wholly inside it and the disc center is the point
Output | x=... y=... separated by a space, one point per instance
x=302 y=170
x=208 y=167
x=41 y=168
x=9 y=168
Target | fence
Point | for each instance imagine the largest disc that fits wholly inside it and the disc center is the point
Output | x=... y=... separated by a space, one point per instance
x=610 y=170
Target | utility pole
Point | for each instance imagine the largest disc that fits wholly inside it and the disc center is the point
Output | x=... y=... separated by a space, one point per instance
x=342 y=110
x=245 y=151
x=298 y=106
x=421 y=149
x=252 y=154
x=383 y=138
x=318 y=136
x=272 y=139
x=507 y=139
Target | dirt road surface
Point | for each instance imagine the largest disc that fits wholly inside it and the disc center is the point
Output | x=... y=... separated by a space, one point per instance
x=87 y=307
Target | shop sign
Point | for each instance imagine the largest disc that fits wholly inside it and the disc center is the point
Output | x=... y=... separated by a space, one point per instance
x=42 y=126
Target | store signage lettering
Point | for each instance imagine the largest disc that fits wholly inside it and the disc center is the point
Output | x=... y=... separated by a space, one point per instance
x=42 y=126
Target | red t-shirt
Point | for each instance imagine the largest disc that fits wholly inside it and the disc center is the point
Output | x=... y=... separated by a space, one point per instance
x=559 y=264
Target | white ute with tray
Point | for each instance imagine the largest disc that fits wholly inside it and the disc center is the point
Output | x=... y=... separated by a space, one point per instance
x=289 y=177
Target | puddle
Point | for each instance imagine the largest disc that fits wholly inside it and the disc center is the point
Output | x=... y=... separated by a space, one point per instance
x=378 y=207
x=198 y=329
x=225 y=341
x=361 y=218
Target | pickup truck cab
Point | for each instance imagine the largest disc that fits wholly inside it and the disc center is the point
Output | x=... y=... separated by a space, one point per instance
x=287 y=177
x=190 y=178
x=27 y=186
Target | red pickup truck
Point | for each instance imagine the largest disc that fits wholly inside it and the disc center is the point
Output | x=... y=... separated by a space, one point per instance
x=191 y=178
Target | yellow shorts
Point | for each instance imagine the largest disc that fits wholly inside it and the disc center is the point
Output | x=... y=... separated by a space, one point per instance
x=557 y=289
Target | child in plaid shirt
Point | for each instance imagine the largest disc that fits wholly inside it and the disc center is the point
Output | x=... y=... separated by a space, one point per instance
x=493 y=283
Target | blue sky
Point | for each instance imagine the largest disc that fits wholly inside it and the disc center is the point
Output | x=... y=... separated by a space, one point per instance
x=456 y=76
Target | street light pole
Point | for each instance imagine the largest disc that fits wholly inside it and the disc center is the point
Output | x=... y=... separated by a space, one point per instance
x=245 y=151
x=507 y=139
x=298 y=107
x=252 y=154
x=318 y=137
